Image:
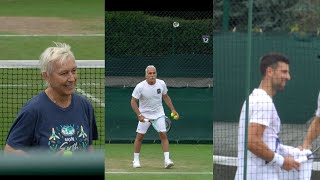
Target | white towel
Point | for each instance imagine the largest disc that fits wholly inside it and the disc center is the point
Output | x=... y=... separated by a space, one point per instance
x=305 y=167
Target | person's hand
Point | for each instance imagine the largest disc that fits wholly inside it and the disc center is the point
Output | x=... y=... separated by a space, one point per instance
x=175 y=113
x=304 y=146
x=60 y=152
x=141 y=118
x=289 y=164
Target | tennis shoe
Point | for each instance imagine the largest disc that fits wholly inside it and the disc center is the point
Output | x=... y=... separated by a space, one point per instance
x=168 y=164
x=136 y=164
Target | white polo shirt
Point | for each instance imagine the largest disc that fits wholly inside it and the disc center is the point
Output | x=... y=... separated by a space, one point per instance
x=150 y=98
x=261 y=111
x=318 y=109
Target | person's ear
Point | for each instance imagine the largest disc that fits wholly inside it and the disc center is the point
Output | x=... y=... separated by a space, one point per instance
x=269 y=71
x=45 y=76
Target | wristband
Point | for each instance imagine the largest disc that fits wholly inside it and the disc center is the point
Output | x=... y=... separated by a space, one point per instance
x=277 y=159
x=140 y=115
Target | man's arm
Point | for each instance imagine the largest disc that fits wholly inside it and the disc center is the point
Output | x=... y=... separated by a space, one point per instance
x=260 y=149
x=12 y=151
x=256 y=144
x=135 y=108
x=312 y=134
x=168 y=101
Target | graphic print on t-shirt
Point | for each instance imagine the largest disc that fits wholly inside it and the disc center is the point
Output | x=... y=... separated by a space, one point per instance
x=68 y=137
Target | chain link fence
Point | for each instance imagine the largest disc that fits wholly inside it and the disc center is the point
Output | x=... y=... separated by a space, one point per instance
x=177 y=43
x=291 y=16
x=290 y=27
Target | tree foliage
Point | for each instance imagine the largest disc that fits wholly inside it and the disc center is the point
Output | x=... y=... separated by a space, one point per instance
x=270 y=15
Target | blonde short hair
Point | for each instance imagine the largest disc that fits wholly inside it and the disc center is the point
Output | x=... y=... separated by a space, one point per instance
x=60 y=52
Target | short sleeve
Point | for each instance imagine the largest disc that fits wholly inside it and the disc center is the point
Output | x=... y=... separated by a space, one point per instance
x=262 y=112
x=21 y=133
x=136 y=92
x=164 y=86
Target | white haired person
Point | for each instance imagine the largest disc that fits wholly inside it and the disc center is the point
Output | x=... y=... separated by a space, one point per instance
x=56 y=120
x=149 y=93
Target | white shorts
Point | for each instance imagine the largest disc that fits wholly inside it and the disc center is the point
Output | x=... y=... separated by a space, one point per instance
x=159 y=123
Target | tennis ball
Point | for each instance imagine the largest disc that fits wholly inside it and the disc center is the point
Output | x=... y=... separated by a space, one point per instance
x=176 y=117
x=172 y=114
x=175 y=24
x=67 y=153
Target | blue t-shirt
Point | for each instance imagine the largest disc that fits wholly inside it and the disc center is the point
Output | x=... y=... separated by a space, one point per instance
x=41 y=124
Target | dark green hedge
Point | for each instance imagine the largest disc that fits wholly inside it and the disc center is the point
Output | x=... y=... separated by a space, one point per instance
x=140 y=34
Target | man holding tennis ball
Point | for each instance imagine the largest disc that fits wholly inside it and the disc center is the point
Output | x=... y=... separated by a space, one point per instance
x=175 y=117
x=149 y=93
x=57 y=120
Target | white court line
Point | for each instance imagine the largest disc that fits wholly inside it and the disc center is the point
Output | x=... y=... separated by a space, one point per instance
x=26 y=85
x=126 y=172
x=48 y=35
x=94 y=99
x=19 y=85
x=13 y=64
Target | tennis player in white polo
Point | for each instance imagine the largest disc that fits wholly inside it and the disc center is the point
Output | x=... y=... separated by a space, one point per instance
x=263 y=158
x=149 y=93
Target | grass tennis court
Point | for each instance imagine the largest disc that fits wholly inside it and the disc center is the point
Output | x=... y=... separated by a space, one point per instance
x=192 y=161
x=20 y=20
x=76 y=9
x=16 y=48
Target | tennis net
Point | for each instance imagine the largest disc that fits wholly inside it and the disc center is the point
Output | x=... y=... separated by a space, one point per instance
x=225 y=167
x=20 y=80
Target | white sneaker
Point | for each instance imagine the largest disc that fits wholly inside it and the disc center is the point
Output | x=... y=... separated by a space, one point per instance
x=168 y=164
x=136 y=164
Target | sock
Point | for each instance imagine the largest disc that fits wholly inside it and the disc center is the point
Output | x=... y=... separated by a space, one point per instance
x=166 y=156
x=136 y=156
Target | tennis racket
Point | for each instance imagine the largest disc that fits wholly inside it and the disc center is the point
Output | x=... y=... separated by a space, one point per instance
x=314 y=154
x=167 y=121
